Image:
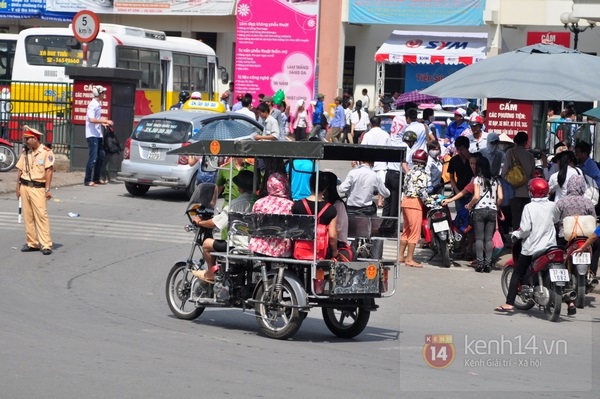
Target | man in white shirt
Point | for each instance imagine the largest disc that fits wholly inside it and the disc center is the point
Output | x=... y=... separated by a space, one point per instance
x=477 y=137
x=246 y=105
x=377 y=136
x=359 y=185
x=271 y=131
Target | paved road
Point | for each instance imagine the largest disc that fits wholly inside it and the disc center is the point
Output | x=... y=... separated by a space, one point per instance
x=91 y=320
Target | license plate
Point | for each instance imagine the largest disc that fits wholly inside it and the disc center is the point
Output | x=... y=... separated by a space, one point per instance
x=559 y=275
x=441 y=226
x=154 y=154
x=582 y=258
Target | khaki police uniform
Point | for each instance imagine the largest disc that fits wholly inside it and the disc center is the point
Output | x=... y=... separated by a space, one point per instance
x=33 y=189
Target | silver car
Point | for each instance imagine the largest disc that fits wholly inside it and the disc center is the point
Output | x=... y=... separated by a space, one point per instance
x=145 y=160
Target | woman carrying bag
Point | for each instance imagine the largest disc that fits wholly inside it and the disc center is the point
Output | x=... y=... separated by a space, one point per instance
x=484 y=205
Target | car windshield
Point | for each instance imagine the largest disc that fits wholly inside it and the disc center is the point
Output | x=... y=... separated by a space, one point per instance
x=162 y=131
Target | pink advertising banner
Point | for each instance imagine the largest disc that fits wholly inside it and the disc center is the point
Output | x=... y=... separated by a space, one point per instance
x=276 y=48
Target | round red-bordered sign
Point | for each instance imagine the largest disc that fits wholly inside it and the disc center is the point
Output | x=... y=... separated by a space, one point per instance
x=85 y=25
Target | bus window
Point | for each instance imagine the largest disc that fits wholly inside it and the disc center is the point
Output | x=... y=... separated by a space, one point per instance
x=181 y=72
x=199 y=73
x=148 y=61
x=59 y=51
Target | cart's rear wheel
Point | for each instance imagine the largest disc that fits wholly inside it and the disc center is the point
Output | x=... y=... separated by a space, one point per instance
x=346 y=322
x=278 y=318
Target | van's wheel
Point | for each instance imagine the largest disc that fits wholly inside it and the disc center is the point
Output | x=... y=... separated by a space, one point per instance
x=189 y=190
x=136 y=189
x=346 y=322
x=275 y=319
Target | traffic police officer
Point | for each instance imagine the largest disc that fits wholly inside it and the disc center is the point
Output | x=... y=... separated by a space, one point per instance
x=33 y=186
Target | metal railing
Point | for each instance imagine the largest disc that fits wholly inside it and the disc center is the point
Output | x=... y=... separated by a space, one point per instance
x=44 y=106
x=569 y=133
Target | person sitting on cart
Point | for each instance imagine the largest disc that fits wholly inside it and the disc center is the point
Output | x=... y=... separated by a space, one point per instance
x=243 y=180
x=359 y=186
x=329 y=216
x=277 y=202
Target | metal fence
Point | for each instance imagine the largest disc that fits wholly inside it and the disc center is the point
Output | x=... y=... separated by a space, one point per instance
x=569 y=133
x=44 y=106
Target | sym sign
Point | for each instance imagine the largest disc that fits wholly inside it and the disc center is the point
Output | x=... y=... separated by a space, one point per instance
x=509 y=116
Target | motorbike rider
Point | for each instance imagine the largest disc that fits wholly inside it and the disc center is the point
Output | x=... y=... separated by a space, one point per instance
x=537 y=232
x=183 y=97
x=243 y=180
x=359 y=186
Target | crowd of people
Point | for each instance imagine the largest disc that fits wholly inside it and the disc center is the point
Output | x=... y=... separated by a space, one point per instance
x=474 y=163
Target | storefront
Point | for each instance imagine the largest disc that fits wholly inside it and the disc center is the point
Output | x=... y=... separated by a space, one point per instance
x=428 y=56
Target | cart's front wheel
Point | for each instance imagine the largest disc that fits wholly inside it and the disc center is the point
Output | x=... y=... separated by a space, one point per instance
x=346 y=322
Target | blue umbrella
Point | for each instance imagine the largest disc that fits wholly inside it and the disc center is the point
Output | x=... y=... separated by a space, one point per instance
x=224 y=129
x=453 y=102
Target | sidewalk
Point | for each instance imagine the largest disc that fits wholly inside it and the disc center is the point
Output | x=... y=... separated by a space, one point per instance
x=8 y=180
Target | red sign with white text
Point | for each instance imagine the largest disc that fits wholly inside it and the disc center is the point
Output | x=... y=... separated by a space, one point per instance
x=82 y=95
x=562 y=38
x=509 y=116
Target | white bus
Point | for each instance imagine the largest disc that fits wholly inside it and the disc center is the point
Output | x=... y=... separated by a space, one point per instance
x=168 y=64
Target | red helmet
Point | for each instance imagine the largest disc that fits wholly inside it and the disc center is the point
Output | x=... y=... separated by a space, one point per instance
x=419 y=156
x=538 y=188
x=477 y=120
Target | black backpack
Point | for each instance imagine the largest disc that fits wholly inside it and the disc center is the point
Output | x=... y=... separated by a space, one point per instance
x=111 y=142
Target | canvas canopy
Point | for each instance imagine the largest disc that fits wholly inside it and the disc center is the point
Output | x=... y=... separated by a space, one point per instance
x=302 y=149
x=538 y=72
x=449 y=48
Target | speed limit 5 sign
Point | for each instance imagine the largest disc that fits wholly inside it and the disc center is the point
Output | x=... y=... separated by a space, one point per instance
x=85 y=25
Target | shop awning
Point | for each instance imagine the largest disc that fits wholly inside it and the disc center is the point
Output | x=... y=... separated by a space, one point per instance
x=450 y=48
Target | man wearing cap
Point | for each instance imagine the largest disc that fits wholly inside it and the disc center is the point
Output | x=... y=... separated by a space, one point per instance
x=317 y=117
x=93 y=134
x=477 y=137
x=337 y=123
x=243 y=180
x=493 y=154
x=457 y=127
x=34 y=176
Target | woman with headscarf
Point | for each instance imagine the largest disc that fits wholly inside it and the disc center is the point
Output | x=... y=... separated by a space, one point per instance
x=573 y=204
x=277 y=202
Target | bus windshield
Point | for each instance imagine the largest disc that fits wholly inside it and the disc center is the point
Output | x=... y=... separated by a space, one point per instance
x=55 y=50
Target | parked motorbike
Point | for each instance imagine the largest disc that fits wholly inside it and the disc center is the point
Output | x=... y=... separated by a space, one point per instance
x=8 y=158
x=544 y=284
x=582 y=280
x=439 y=232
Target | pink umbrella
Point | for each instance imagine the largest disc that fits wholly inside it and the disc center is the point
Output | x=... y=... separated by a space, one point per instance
x=416 y=97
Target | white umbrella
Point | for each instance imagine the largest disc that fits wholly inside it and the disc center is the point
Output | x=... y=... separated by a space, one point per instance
x=537 y=73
